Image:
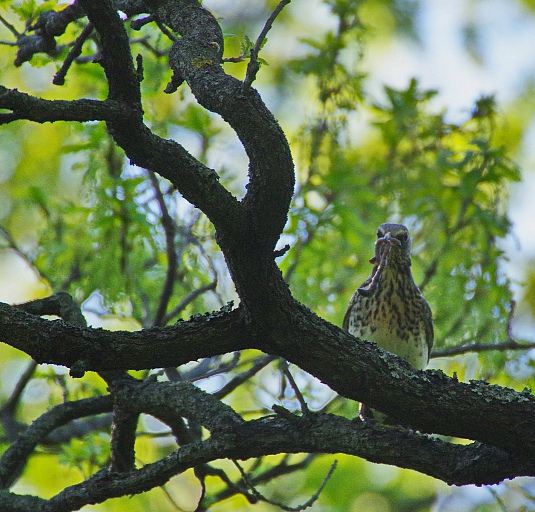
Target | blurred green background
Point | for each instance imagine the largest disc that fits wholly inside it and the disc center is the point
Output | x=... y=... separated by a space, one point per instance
x=406 y=111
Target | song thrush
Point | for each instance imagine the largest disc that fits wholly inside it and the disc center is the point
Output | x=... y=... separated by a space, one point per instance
x=388 y=308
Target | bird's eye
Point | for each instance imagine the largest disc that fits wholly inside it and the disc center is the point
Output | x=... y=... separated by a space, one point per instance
x=402 y=237
x=379 y=233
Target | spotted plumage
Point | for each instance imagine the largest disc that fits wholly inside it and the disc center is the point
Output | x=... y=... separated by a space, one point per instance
x=388 y=308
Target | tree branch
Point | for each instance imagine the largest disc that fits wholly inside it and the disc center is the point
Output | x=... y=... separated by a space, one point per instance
x=281 y=469
x=429 y=401
x=482 y=347
x=60 y=304
x=197 y=183
x=99 y=350
x=254 y=65
x=28 y=107
x=14 y=458
x=314 y=433
x=196 y=58
x=169 y=229
x=49 y=25
x=188 y=299
x=76 y=50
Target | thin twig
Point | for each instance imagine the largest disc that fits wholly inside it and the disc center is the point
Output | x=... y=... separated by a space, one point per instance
x=498 y=499
x=232 y=489
x=301 y=399
x=510 y=344
x=10 y=27
x=510 y=319
x=298 y=508
x=166 y=31
x=254 y=66
x=139 y=23
x=12 y=244
x=169 y=496
x=281 y=469
x=482 y=347
x=430 y=272
x=239 y=58
x=204 y=369
x=244 y=376
x=10 y=406
x=168 y=225
x=144 y=41
x=190 y=297
x=76 y=50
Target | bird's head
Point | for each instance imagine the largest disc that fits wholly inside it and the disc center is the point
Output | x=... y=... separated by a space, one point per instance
x=392 y=252
x=395 y=234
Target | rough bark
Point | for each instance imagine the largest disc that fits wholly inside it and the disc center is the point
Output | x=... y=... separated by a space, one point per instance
x=268 y=318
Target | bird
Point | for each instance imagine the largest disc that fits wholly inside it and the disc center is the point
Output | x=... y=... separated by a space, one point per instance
x=389 y=308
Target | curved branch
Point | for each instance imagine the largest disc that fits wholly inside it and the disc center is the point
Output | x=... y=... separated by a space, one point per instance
x=197 y=183
x=60 y=304
x=181 y=399
x=429 y=401
x=196 y=58
x=14 y=458
x=455 y=464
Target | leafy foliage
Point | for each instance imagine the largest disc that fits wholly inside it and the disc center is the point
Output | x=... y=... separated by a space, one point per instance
x=101 y=227
x=447 y=181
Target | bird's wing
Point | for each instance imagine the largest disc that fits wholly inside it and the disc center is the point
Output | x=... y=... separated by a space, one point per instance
x=345 y=323
x=353 y=301
x=428 y=324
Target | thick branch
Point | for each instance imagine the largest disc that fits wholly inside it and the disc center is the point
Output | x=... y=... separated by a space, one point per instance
x=178 y=398
x=60 y=304
x=455 y=464
x=426 y=400
x=196 y=58
x=24 y=106
x=197 y=183
x=96 y=349
x=429 y=401
x=123 y=438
